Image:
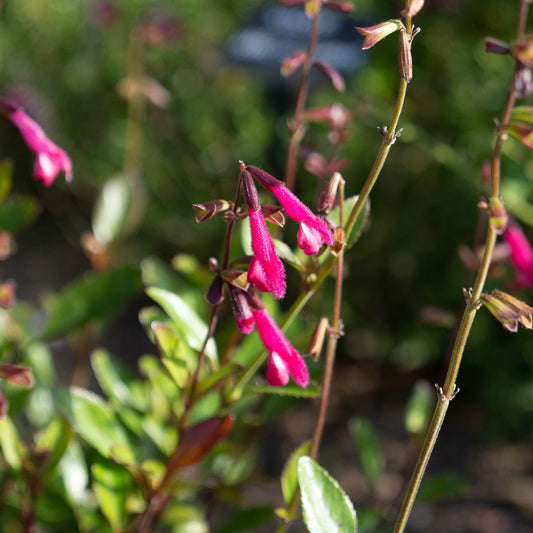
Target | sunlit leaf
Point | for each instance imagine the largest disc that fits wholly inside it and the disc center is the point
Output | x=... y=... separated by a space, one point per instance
x=13 y=450
x=93 y=296
x=289 y=476
x=326 y=507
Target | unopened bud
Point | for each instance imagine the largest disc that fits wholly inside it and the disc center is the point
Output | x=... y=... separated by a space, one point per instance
x=509 y=311
x=250 y=192
x=317 y=339
x=215 y=293
x=264 y=178
x=412 y=8
x=213 y=265
x=497 y=215
x=494 y=46
x=333 y=76
x=327 y=199
x=293 y=62
x=336 y=115
x=209 y=209
x=19 y=375
x=405 y=58
x=241 y=310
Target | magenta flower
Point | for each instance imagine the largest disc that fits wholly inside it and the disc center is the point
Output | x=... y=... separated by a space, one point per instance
x=266 y=270
x=50 y=160
x=284 y=359
x=313 y=231
x=241 y=310
x=521 y=254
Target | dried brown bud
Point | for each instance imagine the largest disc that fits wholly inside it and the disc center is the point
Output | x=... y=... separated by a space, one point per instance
x=333 y=76
x=412 y=8
x=317 y=339
x=404 y=56
x=293 y=62
x=509 y=311
x=327 y=199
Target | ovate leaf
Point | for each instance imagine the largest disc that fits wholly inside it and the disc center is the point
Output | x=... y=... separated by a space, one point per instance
x=326 y=507
x=289 y=476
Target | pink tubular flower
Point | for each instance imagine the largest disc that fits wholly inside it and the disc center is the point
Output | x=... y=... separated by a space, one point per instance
x=266 y=270
x=521 y=254
x=284 y=359
x=241 y=310
x=313 y=231
x=50 y=158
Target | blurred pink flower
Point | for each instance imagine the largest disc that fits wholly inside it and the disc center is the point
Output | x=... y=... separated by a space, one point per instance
x=266 y=270
x=313 y=231
x=50 y=159
x=521 y=254
x=284 y=359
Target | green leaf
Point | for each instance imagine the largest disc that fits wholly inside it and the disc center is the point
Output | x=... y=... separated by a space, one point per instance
x=17 y=212
x=523 y=114
x=53 y=442
x=164 y=437
x=312 y=391
x=6 y=178
x=326 y=507
x=418 y=410
x=220 y=374
x=119 y=209
x=12 y=447
x=73 y=470
x=289 y=476
x=93 y=420
x=94 y=296
x=247 y=520
x=367 y=446
x=117 y=382
x=111 y=485
x=359 y=223
x=187 y=321
x=285 y=252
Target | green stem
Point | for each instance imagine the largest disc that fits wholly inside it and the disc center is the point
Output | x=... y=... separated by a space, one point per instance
x=448 y=390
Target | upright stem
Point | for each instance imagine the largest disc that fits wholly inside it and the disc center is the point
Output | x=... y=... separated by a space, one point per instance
x=448 y=390
x=296 y=126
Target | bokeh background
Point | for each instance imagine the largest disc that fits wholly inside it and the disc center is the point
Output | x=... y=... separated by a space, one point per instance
x=217 y=97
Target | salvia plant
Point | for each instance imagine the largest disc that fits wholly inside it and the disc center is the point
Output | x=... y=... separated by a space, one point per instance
x=173 y=444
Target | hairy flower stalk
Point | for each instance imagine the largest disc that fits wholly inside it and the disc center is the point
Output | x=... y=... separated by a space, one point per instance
x=50 y=159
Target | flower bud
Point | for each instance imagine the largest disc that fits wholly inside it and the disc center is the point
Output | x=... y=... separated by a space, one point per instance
x=374 y=34
x=405 y=58
x=497 y=215
x=215 y=293
x=523 y=82
x=508 y=310
x=209 y=209
x=17 y=374
x=494 y=46
x=336 y=115
x=241 y=310
x=250 y=192
x=293 y=62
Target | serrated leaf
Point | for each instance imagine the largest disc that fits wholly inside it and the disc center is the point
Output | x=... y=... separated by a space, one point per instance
x=111 y=483
x=289 y=476
x=187 y=321
x=93 y=419
x=93 y=296
x=17 y=212
x=326 y=507
x=312 y=391
x=367 y=447
x=6 y=178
